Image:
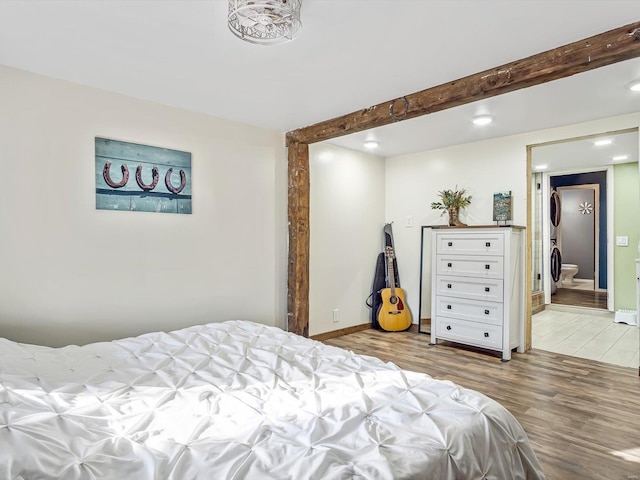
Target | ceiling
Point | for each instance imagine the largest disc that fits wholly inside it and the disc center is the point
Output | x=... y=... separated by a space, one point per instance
x=351 y=54
x=585 y=154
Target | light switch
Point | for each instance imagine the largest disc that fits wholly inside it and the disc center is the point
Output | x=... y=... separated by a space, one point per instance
x=409 y=223
x=622 y=241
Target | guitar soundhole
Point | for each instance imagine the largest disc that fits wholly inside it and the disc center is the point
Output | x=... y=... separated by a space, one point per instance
x=393 y=300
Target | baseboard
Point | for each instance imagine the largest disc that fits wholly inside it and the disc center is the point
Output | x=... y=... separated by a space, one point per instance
x=321 y=337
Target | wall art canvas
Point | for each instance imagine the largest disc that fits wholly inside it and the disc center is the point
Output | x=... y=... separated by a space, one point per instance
x=142 y=178
x=502 y=207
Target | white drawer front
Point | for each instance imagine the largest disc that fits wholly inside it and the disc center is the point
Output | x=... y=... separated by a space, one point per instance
x=482 y=267
x=481 y=335
x=481 y=243
x=472 y=310
x=468 y=287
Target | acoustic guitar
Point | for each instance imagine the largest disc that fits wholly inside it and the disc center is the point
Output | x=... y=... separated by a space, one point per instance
x=393 y=315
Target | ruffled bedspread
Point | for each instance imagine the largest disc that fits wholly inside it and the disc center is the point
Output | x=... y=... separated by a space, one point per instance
x=238 y=400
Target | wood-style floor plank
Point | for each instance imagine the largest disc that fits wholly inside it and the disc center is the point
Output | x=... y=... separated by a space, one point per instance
x=580 y=298
x=582 y=417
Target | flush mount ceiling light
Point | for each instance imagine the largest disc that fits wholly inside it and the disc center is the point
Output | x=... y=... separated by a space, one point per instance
x=602 y=142
x=265 y=22
x=635 y=86
x=370 y=144
x=540 y=167
x=482 y=119
x=619 y=158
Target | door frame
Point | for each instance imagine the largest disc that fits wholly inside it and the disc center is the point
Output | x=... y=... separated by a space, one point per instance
x=546 y=267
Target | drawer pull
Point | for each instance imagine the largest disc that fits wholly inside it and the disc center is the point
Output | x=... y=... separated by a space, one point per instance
x=486 y=312
x=450 y=244
x=448 y=307
x=449 y=265
x=487 y=266
x=448 y=327
x=486 y=334
x=448 y=285
x=486 y=289
x=488 y=244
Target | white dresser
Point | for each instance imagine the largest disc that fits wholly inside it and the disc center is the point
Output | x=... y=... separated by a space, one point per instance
x=477 y=291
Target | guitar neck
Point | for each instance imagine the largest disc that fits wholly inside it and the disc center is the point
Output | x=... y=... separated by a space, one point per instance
x=392 y=276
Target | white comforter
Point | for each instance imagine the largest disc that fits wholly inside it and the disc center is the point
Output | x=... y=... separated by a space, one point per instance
x=237 y=400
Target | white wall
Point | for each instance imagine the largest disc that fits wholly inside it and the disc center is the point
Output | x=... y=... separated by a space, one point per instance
x=482 y=168
x=346 y=221
x=74 y=274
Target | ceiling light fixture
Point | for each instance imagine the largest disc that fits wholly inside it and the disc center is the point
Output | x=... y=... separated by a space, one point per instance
x=619 y=158
x=265 y=22
x=602 y=142
x=541 y=167
x=635 y=86
x=370 y=144
x=482 y=119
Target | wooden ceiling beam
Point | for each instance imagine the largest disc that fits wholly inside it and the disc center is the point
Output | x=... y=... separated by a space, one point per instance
x=600 y=50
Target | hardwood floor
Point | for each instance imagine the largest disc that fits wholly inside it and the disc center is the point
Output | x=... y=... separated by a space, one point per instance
x=582 y=417
x=580 y=298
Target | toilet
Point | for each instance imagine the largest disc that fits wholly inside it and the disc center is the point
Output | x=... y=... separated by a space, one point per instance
x=568 y=270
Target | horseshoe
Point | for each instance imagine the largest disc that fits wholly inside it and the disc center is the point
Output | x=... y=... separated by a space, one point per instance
x=154 y=181
x=107 y=175
x=170 y=187
x=405 y=105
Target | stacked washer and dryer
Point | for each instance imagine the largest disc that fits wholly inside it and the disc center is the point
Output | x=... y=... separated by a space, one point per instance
x=556 y=256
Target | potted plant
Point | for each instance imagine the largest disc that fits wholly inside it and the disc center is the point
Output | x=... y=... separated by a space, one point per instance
x=451 y=201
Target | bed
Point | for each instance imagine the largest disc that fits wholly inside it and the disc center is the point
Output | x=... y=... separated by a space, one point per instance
x=239 y=400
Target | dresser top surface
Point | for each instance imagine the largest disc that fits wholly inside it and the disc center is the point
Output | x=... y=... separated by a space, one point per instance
x=468 y=227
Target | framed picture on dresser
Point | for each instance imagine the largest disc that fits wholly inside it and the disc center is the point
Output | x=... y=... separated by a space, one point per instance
x=502 y=206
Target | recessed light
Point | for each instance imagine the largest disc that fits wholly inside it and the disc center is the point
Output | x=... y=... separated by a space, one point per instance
x=540 y=167
x=602 y=142
x=482 y=119
x=370 y=144
x=635 y=86
x=619 y=158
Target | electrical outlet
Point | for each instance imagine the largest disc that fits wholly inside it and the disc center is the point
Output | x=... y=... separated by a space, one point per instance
x=336 y=319
x=409 y=223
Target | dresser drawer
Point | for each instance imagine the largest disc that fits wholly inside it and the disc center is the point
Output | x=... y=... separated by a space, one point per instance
x=480 y=266
x=471 y=310
x=469 y=287
x=481 y=243
x=470 y=333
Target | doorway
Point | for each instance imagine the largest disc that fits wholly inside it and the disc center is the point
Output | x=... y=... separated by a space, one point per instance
x=581 y=249
x=577 y=212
